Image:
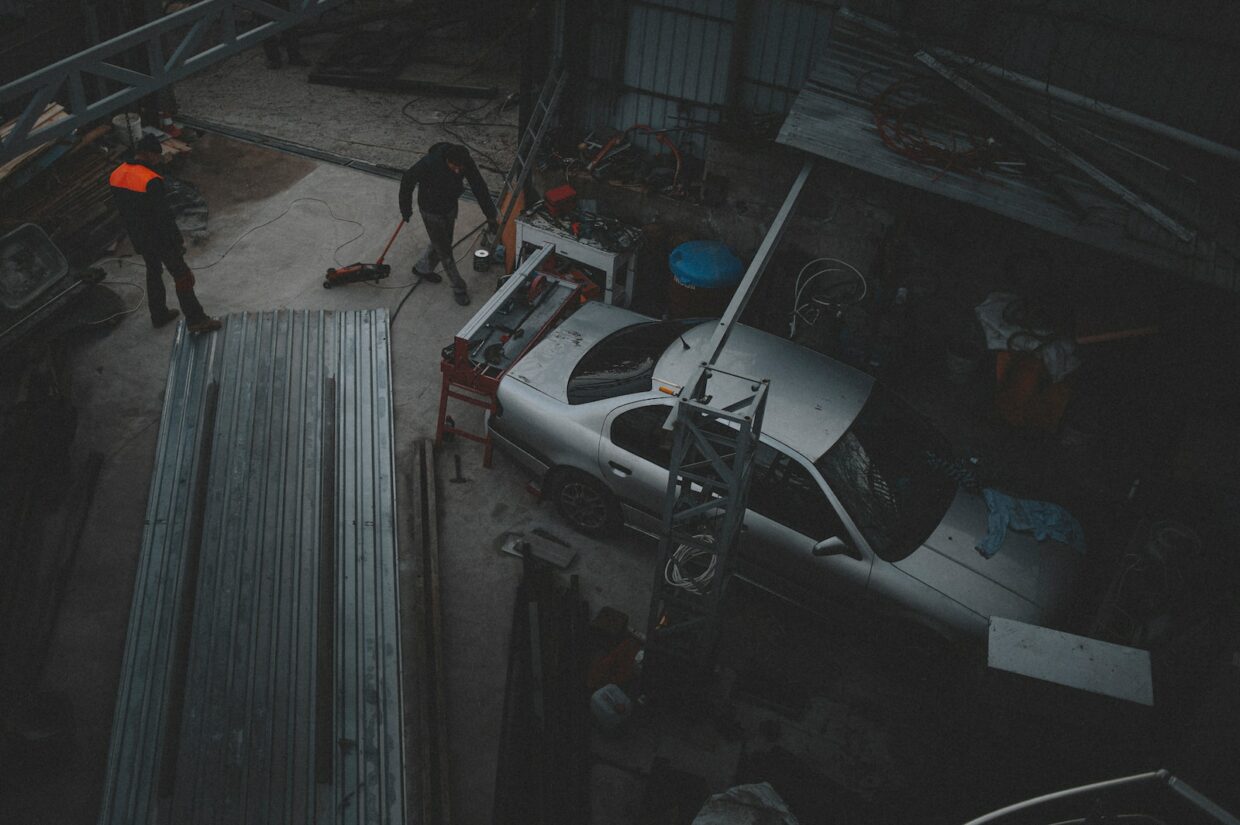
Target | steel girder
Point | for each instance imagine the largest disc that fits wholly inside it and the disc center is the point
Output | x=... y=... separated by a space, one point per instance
x=170 y=48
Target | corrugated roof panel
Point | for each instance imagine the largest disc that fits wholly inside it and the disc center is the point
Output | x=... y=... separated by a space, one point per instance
x=833 y=117
x=261 y=680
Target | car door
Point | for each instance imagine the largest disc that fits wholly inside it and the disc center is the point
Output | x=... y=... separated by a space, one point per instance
x=633 y=457
x=788 y=514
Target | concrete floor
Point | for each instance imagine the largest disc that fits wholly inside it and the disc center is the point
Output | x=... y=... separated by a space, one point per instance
x=117 y=383
x=386 y=128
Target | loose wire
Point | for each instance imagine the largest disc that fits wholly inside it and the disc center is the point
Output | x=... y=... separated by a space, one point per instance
x=415 y=284
x=198 y=267
x=137 y=305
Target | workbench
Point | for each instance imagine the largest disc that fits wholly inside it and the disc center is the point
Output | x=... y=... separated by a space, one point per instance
x=611 y=270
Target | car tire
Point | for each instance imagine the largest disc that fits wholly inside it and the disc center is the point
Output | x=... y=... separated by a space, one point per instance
x=583 y=501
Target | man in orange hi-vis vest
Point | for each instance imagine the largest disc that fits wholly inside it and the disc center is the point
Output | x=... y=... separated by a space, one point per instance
x=140 y=197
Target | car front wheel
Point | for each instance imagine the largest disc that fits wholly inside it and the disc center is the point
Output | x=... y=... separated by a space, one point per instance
x=584 y=502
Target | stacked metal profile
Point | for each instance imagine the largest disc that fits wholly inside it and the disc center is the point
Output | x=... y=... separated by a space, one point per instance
x=261 y=678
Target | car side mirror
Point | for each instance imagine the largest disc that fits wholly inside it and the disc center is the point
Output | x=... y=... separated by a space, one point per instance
x=836 y=546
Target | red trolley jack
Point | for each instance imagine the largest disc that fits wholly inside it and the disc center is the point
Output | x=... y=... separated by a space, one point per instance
x=353 y=273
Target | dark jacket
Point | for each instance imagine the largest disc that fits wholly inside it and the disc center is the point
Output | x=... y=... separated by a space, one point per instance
x=438 y=188
x=141 y=198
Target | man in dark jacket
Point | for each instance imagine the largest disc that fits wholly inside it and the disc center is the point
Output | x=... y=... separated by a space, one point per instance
x=140 y=198
x=438 y=178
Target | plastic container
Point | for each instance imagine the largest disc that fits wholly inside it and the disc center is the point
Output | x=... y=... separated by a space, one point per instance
x=705 y=265
x=129 y=125
x=29 y=264
x=704 y=276
x=482 y=260
x=611 y=708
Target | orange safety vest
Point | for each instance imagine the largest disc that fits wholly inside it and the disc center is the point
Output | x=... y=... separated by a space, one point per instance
x=132 y=176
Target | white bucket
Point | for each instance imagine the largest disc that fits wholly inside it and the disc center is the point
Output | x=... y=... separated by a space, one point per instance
x=130 y=127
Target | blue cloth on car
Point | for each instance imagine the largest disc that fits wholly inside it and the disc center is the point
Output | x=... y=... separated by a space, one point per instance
x=1043 y=519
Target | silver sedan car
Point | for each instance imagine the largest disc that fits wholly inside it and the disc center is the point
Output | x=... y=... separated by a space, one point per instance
x=844 y=468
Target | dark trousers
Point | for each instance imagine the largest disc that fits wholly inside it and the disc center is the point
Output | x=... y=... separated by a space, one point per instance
x=183 y=278
x=439 y=230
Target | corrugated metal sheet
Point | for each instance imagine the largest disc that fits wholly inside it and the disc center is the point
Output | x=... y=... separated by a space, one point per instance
x=781 y=49
x=261 y=678
x=833 y=117
x=667 y=63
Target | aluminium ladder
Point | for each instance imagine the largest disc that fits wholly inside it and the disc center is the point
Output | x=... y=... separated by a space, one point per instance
x=531 y=140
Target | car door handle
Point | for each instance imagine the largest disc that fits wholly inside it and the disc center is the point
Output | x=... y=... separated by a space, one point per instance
x=619 y=469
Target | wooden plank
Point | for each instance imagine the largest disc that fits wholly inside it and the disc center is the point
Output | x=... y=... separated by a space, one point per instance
x=1073 y=661
x=51 y=113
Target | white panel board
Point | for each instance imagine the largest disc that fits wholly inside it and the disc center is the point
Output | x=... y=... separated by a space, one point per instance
x=1070 y=660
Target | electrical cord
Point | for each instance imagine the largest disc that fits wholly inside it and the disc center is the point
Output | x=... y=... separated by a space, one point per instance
x=199 y=267
x=809 y=314
x=676 y=572
x=460 y=114
x=415 y=284
x=137 y=305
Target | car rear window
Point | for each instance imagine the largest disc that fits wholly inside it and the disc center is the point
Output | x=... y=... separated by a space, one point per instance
x=887 y=471
x=623 y=363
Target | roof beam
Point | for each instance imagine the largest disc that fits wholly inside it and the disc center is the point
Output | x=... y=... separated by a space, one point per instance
x=199 y=36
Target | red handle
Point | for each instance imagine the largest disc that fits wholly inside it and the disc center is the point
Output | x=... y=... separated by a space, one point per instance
x=391 y=241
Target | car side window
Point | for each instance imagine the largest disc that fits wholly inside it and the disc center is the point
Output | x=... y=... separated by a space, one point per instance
x=780 y=488
x=783 y=490
x=640 y=432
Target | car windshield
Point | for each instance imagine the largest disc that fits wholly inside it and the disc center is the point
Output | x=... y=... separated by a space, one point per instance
x=623 y=362
x=887 y=471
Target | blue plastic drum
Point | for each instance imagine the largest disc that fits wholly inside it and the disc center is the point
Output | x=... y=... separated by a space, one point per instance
x=705 y=265
x=704 y=276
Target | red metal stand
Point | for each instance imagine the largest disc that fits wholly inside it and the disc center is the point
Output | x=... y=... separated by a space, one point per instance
x=476 y=382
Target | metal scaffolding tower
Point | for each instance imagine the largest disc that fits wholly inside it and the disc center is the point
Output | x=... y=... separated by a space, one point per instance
x=139 y=62
x=708 y=485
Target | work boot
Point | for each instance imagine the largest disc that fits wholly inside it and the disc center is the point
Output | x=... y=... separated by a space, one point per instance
x=164 y=317
x=462 y=297
x=205 y=325
x=429 y=277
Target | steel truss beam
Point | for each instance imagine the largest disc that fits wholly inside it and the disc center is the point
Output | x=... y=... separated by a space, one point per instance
x=703 y=512
x=707 y=490
x=166 y=50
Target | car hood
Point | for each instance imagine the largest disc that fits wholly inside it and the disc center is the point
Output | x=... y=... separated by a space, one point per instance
x=1026 y=580
x=548 y=365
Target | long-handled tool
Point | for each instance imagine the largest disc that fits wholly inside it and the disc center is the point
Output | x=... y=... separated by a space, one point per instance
x=353 y=273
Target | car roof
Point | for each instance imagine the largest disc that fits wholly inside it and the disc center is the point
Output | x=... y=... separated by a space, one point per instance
x=812 y=399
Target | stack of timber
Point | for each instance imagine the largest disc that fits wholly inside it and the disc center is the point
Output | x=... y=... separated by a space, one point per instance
x=63 y=188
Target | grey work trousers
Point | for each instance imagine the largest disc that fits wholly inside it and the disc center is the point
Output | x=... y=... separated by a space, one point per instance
x=439 y=251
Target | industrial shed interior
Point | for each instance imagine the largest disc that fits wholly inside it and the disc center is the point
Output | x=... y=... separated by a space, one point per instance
x=794 y=411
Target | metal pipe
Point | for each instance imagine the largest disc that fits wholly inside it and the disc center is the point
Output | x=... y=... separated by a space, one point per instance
x=1092 y=104
x=1107 y=785
x=1057 y=92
